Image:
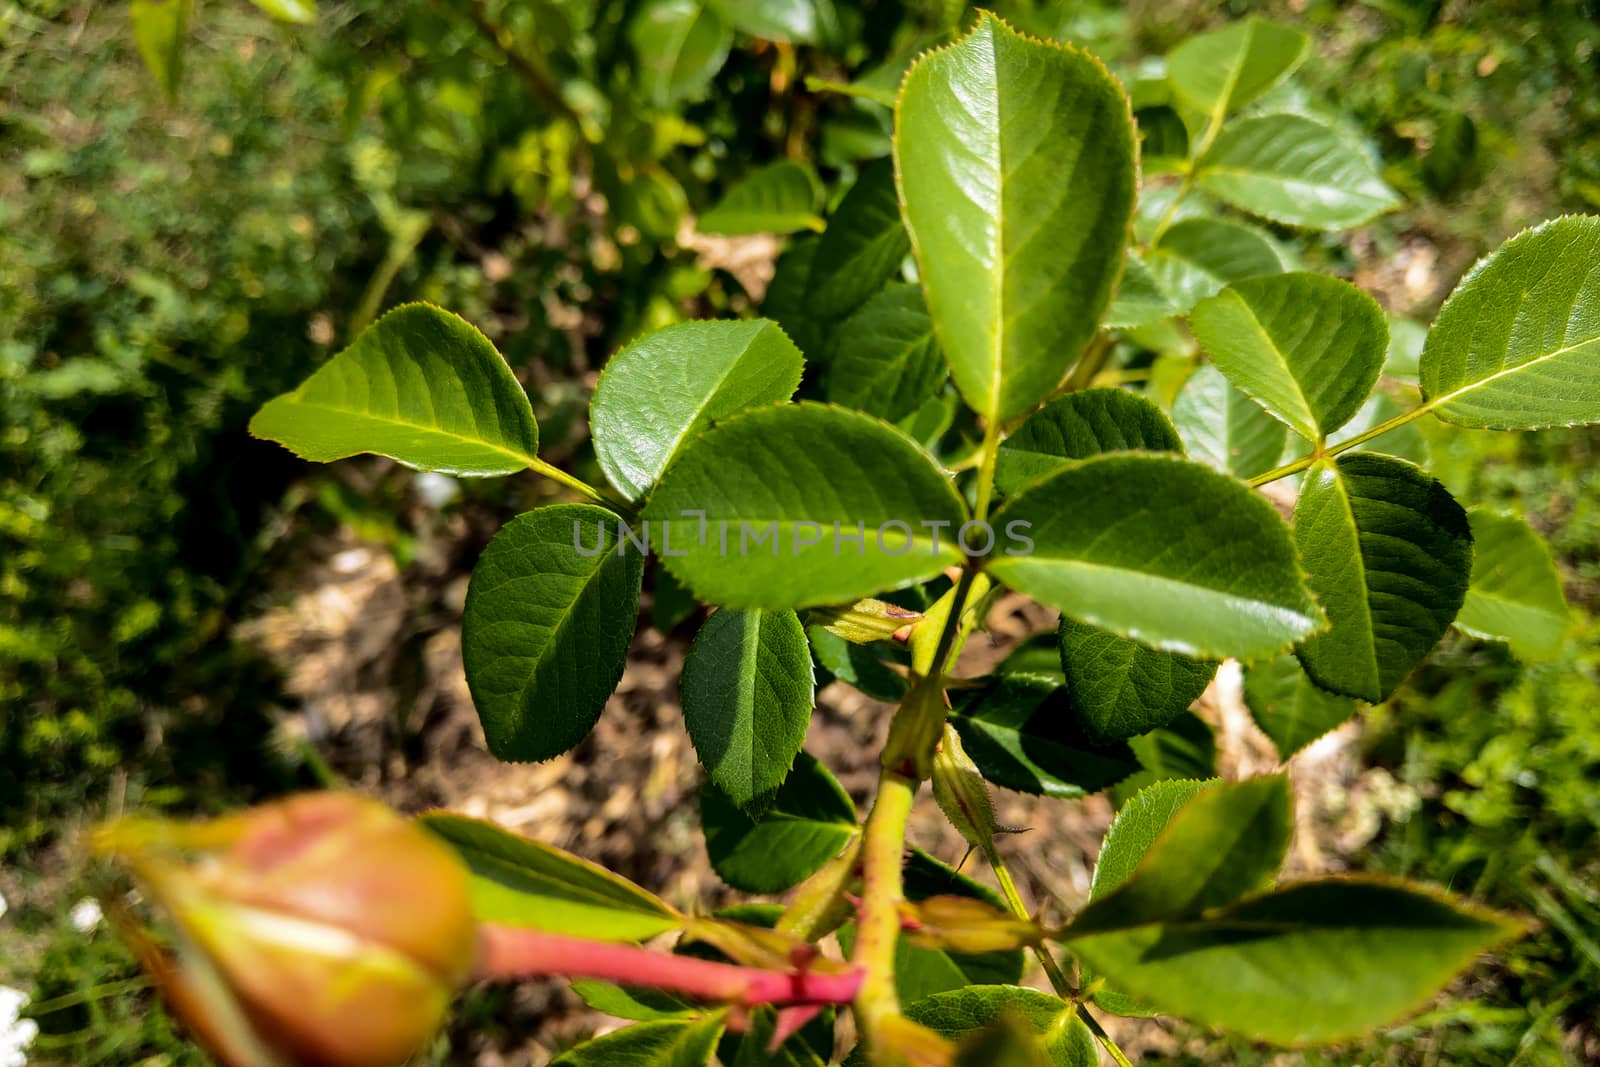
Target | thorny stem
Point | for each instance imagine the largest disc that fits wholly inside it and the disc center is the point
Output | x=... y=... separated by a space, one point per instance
x=517 y=952
x=1379 y=430
x=882 y=890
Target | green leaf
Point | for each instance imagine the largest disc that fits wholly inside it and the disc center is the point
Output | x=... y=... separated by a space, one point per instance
x=1388 y=553
x=1515 y=594
x=1021 y=732
x=777 y=198
x=1306 y=347
x=860 y=666
x=747 y=699
x=754 y=1046
x=161 y=30
x=809 y=822
x=681 y=44
x=1289 y=707
x=1316 y=962
x=1004 y=1043
x=1516 y=346
x=663 y=1043
x=1016 y=160
x=1225 y=69
x=1185 y=748
x=626 y=1002
x=420 y=386
x=783 y=493
x=1162 y=550
x=959 y=1013
x=521 y=882
x=1121 y=688
x=1140 y=299
x=544 y=638
x=784 y=302
x=1077 y=426
x=861 y=249
x=301 y=11
x=1224 y=429
x=1196 y=258
x=669 y=385
x=1226 y=841
x=1137 y=825
x=800 y=21
x=1294 y=170
x=887 y=363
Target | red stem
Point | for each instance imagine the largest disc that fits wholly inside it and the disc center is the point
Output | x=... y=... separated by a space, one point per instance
x=514 y=952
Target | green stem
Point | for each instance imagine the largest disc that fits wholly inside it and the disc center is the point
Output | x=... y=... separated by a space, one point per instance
x=1047 y=959
x=1359 y=439
x=1089 y=364
x=882 y=891
x=988 y=452
x=1191 y=165
x=556 y=474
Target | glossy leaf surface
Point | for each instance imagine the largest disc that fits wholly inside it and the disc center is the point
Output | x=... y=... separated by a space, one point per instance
x=1016 y=160
x=1224 y=429
x=1225 y=69
x=861 y=249
x=661 y=390
x=421 y=386
x=1162 y=550
x=1517 y=344
x=771 y=485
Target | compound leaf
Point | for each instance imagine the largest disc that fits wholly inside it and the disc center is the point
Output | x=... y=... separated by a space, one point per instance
x=544 y=638
x=1388 y=553
x=420 y=386
x=747 y=699
x=1196 y=258
x=1162 y=550
x=1016 y=160
x=666 y=387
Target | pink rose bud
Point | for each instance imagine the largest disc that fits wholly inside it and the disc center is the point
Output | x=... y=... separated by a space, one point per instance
x=323 y=930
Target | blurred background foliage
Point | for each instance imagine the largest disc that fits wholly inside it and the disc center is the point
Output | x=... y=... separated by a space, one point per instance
x=536 y=166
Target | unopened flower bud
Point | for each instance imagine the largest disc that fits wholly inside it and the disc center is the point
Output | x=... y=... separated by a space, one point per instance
x=321 y=930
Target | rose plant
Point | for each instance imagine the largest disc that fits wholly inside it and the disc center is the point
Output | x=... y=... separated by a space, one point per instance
x=1021 y=372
